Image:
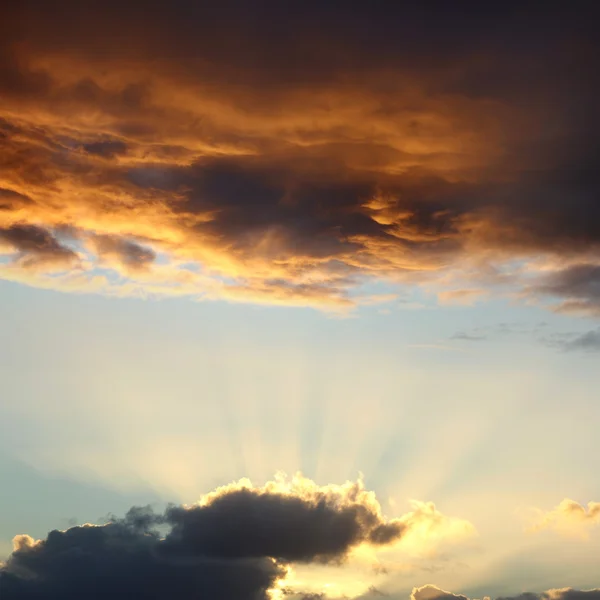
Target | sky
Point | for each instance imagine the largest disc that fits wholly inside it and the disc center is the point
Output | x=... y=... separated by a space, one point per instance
x=299 y=300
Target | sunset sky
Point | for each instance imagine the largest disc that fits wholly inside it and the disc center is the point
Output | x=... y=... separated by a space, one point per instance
x=299 y=300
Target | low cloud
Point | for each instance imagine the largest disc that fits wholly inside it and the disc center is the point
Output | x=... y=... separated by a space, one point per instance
x=426 y=527
x=238 y=542
x=568 y=518
x=432 y=592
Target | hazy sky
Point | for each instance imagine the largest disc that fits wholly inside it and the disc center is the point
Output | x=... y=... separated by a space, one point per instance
x=317 y=281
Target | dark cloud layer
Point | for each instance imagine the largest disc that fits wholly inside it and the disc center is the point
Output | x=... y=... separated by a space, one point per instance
x=293 y=151
x=120 y=560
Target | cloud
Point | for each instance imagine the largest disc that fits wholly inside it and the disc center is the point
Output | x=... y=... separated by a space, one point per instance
x=121 y=252
x=501 y=330
x=468 y=337
x=300 y=523
x=568 y=518
x=426 y=527
x=296 y=158
x=432 y=592
x=588 y=341
x=32 y=247
x=466 y=297
x=578 y=286
x=237 y=542
x=107 y=149
x=119 y=560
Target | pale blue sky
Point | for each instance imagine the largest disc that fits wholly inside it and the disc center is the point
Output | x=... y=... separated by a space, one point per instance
x=108 y=403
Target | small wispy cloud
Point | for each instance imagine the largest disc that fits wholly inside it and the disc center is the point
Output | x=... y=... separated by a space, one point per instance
x=468 y=337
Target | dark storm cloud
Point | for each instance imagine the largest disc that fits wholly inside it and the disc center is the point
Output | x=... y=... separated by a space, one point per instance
x=120 y=560
x=244 y=524
x=317 y=219
x=308 y=202
x=233 y=546
x=297 y=150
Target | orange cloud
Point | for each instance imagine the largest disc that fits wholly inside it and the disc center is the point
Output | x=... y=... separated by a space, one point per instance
x=170 y=156
x=466 y=297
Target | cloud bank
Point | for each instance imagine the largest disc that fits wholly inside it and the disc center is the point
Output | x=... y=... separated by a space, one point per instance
x=292 y=155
